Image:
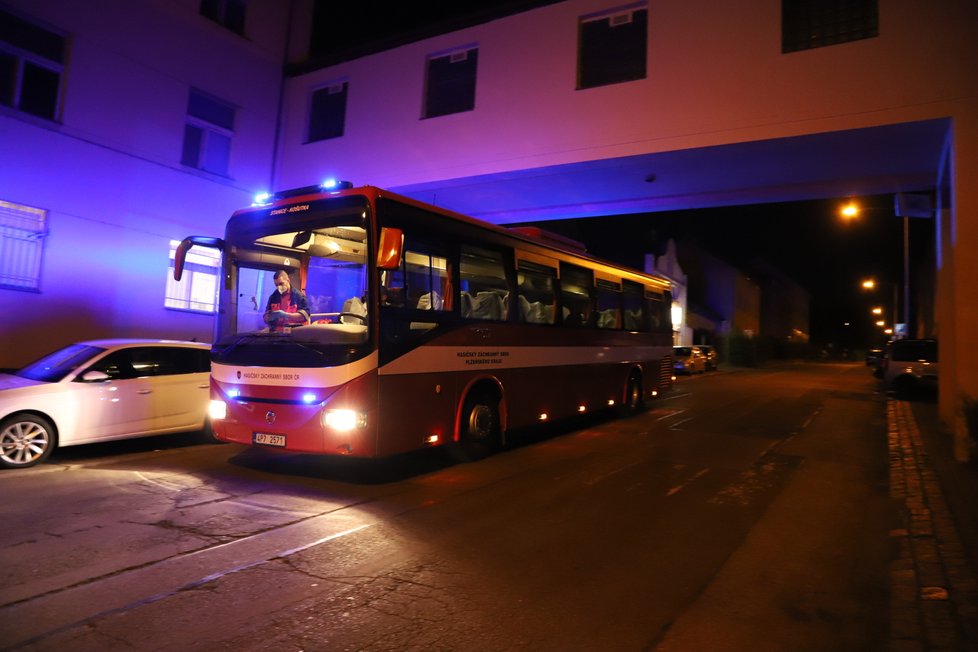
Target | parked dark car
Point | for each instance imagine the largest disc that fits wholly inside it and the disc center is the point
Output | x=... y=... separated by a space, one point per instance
x=710 y=353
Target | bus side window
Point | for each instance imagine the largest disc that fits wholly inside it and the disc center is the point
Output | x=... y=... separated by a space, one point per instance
x=575 y=296
x=483 y=279
x=659 y=312
x=536 y=298
x=609 y=304
x=634 y=307
x=427 y=281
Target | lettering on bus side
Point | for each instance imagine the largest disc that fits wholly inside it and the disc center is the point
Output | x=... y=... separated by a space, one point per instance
x=269 y=375
x=482 y=357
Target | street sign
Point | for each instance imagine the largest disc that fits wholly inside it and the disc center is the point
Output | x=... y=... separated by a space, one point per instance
x=912 y=205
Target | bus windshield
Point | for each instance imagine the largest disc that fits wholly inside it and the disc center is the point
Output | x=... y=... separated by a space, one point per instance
x=300 y=286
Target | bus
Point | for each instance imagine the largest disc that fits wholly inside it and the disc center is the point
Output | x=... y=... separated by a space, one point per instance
x=422 y=328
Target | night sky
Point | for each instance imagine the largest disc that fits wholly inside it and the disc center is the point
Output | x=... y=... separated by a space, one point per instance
x=808 y=241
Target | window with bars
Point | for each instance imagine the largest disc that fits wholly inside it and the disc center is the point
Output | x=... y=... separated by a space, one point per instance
x=229 y=13
x=32 y=62
x=22 y=233
x=612 y=46
x=807 y=24
x=450 y=82
x=197 y=289
x=207 y=134
x=327 y=112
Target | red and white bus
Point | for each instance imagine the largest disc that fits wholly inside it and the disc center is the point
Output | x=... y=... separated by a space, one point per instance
x=425 y=328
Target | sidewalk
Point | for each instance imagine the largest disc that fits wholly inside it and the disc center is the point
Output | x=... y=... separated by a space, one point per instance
x=934 y=593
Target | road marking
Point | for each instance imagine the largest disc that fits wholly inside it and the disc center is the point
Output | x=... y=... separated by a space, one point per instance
x=679 y=487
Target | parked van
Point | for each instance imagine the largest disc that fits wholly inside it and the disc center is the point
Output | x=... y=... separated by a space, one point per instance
x=911 y=365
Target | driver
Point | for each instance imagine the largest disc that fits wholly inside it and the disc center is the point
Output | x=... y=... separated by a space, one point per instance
x=287 y=306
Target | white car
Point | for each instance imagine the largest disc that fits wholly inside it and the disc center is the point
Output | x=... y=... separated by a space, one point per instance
x=102 y=390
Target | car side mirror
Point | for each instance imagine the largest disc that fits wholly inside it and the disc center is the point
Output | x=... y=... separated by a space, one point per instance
x=94 y=376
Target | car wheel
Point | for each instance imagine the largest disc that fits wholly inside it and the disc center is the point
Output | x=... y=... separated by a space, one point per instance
x=904 y=385
x=207 y=433
x=479 y=433
x=25 y=440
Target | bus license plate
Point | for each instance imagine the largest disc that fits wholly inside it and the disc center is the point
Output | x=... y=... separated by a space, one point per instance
x=267 y=439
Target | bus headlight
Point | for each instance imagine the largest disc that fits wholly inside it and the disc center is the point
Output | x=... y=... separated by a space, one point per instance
x=217 y=410
x=343 y=420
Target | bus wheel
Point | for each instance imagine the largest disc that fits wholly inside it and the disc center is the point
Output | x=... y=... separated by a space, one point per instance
x=634 y=399
x=479 y=434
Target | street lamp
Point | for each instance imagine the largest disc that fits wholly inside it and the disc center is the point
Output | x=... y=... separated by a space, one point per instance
x=849 y=211
x=869 y=284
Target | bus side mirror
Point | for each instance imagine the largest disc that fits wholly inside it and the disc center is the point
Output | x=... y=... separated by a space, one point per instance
x=390 y=248
x=180 y=255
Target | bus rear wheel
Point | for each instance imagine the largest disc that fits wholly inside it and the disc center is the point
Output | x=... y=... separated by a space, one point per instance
x=479 y=431
x=634 y=398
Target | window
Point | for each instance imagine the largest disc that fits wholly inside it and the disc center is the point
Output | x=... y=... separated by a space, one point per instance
x=450 y=84
x=609 y=304
x=634 y=305
x=207 y=135
x=229 y=13
x=484 y=293
x=22 y=233
x=327 y=112
x=807 y=24
x=426 y=281
x=575 y=296
x=659 y=306
x=31 y=64
x=612 y=46
x=536 y=297
x=197 y=290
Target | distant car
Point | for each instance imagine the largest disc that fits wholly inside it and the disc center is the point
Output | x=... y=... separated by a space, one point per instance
x=911 y=365
x=873 y=357
x=688 y=360
x=101 y=390
x=710 y=353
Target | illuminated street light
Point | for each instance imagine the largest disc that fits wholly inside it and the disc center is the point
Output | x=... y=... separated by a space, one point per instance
x=869 y=284
x=877 y=310
x=881 y=323
x=850 y=210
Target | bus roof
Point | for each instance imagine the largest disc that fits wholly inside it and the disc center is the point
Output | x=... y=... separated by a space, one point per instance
x=543 y=242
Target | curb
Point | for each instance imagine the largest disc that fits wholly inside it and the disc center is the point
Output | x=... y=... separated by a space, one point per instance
x=933 y=591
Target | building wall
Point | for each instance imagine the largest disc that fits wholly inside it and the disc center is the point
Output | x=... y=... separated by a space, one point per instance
x=716 y=75
x=108 y=169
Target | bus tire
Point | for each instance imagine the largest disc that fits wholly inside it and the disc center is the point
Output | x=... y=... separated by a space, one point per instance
x=634 y=396
x=479 y=428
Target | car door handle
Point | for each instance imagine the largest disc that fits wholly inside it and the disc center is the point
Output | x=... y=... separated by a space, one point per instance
x=144 y=391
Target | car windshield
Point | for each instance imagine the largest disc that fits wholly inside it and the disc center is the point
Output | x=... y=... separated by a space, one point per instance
x=682 y=350
x=55 y=366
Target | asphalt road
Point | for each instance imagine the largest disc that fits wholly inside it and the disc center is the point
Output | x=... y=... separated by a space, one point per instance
x=748 y=510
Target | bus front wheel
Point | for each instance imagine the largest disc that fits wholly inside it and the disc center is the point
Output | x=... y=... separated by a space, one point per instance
x=479 y=431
